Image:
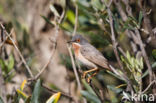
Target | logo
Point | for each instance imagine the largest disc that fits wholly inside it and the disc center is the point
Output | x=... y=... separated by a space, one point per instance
x=138 y=97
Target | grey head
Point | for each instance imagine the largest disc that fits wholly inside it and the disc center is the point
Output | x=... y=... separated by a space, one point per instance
x=78 y=39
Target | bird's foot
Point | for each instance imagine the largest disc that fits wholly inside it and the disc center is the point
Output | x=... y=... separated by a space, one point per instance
x=84 y=75
x=89 y=80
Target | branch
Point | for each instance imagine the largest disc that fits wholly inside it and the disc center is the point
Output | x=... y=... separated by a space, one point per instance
x=140 y=43
x=115 y=48
x=94 y=89
x=74 y=68
x=53 y=50
x=113 y=39
x=62 y=93
x=3 y=88
x=154 y=81
x=130 y=34
x=2 y=33
x=20 y=54
x=122 y=51
x=70 y=52
x=76 y=19
x=144 y=54
x=45 y=66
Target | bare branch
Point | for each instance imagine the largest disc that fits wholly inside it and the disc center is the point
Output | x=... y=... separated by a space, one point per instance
x=20 y=54
x=154 y=81
x=2 y=89
x=76 y=19
x=54 y=91
x=70 y=53
x=113 y=39
x=122 y=51
x=115 y=49
x=74 y=68
x=98 y=95
x=5 y=38
x=45 y=66
x=54 y=49
x=144 y=54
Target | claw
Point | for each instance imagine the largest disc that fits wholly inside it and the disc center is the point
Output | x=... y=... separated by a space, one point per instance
x=88 y=79
x=84 y=75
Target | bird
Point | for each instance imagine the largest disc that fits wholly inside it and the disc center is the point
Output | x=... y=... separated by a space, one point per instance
x=88 y=56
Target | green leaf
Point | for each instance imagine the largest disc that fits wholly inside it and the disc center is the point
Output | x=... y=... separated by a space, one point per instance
x=1 y=100
x=154 y=53
x=47 y=20
x=22 y=94
x=90 y=96
x=116 y=76
x=54 y=98
x=36 y=92
x=97 y=5
x=70 y=16
x=114 y=89
x=10 y=63
x=52 y=8
x=154 y=65
x=2 y=64
x=23 y=84
x=84 y=3
x=146 y=72
x=131 y=18
x=66 y=26
x=89 y=89
x=140 y=18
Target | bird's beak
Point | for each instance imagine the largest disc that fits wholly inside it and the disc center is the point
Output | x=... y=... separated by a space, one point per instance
x=70 y=42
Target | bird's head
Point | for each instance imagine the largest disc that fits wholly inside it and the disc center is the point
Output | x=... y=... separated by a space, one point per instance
x=78 y=39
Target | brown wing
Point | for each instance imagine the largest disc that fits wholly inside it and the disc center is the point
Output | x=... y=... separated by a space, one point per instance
x=93 y=55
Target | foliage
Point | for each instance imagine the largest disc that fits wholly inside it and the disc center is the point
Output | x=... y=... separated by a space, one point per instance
x=94 y=24
x=7 y=66
x=54 y=98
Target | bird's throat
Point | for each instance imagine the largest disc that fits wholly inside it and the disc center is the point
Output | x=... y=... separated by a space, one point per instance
x=76 y=48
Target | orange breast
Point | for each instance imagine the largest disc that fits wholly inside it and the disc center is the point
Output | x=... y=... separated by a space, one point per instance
x=76 y=48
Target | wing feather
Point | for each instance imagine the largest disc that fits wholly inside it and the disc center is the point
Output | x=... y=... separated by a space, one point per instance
x=94 y=56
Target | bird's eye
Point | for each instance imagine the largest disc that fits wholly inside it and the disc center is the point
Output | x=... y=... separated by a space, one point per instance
x=78 y=40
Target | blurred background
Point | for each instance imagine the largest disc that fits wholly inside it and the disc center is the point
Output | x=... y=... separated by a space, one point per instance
x=34 y=26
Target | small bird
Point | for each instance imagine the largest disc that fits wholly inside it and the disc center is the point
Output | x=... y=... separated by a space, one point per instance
x=89 y=56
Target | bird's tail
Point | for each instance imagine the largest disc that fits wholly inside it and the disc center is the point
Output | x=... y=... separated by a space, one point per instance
x=113 y=69
x=118 y=73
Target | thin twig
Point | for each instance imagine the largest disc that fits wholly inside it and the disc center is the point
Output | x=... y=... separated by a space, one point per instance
x=5 y=38
x=3 y=88
x=54 y=91
x=122 y=51
x=70 y=52
x=13 y=70
x=69 y=49
x=74 y=68
x=154 y=81
x=114 y=40
x=144 y=54
x=94 y=89
x=20 y=54
x=76 y=19
x=139 y=40
x=53 y=50
x=115 y=47
x=46 y=65
x=130 y=34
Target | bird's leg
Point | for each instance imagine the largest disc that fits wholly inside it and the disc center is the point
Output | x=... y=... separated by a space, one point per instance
x=88 y=71
x=89 y=78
